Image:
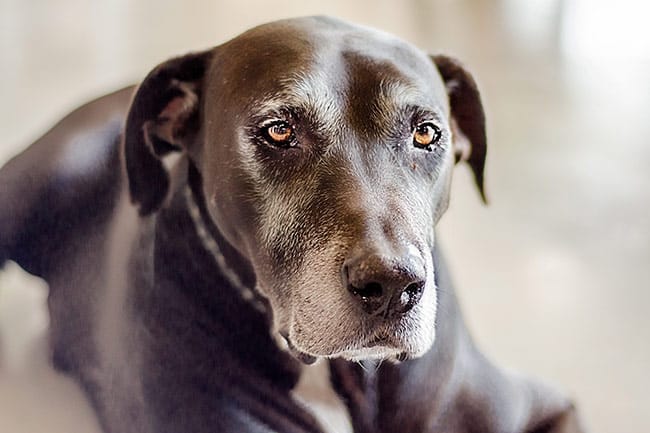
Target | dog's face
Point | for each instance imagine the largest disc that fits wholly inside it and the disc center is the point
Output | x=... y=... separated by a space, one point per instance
x=325 y=152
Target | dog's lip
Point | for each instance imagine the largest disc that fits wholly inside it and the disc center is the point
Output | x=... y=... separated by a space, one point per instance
x=303 y=357
x=369 y=353
x=378 y=347
x=379 y=340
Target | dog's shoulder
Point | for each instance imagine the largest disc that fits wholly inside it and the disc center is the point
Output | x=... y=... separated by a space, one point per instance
x=63 y=186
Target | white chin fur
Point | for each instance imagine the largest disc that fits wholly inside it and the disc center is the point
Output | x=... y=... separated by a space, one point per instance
x=368 y=353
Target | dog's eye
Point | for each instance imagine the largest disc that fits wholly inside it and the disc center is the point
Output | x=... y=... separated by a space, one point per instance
x=425 y=135
x=279 y=133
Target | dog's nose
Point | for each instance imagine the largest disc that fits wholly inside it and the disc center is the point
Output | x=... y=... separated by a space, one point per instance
x=385 y=285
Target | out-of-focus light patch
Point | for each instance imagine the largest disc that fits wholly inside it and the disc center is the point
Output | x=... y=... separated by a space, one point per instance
x=605 y=48
x=555 y=281
x=87 y=151
x=602 y=29
x=534 y=22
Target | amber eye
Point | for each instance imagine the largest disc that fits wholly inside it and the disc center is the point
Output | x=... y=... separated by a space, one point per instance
x=425 y=135
x=279 y=134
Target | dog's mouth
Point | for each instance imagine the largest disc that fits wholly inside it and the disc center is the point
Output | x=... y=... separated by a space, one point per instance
x=304 y=357
x=380 y=346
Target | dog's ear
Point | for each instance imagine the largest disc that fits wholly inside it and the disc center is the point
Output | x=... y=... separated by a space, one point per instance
x=163 y=118
x=467 y=116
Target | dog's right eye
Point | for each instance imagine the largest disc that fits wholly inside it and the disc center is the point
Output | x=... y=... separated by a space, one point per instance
x=426 y=135
x=279 y=133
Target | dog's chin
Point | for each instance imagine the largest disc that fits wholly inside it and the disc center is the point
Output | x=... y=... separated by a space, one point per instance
x=375 y=351
x=372 y=354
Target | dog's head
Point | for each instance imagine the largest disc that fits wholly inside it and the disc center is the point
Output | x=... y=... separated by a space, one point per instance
x=325 y=152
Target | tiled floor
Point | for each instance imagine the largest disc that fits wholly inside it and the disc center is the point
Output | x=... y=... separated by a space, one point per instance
x=554 y=274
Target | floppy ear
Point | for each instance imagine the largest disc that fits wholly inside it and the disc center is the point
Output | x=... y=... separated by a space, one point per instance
x=163 y=118
x=467 y=116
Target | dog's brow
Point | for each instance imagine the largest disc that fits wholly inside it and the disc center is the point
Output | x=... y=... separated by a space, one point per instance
x=309 y=94
x=394 y=105
x=396 y=96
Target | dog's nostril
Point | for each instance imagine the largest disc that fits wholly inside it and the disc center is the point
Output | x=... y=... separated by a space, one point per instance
x=414 y=289
x=371 y=296
x=370 y=290
x=411 y=295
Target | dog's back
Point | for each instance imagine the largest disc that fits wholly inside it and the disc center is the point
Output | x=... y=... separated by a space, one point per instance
x=58 y=197
x=64 y=183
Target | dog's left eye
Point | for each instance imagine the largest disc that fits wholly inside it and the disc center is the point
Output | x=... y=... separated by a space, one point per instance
x=279 y=133
x=425 y=135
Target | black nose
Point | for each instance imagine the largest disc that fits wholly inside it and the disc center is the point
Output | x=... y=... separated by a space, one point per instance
x=385 y=285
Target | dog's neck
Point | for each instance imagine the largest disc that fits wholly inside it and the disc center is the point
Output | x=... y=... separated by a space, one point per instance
x=200 y=280
x=211 y=239
x=207 y=233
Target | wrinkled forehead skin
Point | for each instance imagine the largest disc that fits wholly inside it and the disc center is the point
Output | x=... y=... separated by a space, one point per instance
x=325 y=53
x=333 y=70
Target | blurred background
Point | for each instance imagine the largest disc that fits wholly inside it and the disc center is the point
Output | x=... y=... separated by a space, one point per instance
x=553 y=274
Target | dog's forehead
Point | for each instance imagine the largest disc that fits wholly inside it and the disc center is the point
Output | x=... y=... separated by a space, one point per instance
x=326 y=61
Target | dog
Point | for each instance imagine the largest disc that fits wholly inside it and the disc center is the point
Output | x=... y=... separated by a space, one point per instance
x=251 y=209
